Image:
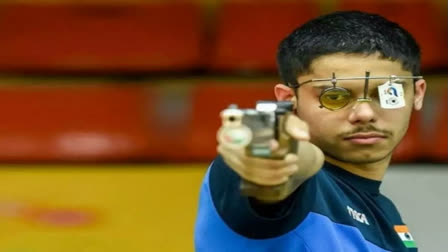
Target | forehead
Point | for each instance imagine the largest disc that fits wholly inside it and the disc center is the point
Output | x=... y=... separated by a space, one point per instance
x=352 y=65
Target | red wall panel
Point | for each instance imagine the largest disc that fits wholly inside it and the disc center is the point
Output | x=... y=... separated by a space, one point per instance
x=100 y=38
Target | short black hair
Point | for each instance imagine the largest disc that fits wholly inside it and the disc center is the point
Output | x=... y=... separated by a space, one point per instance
x=346 y=32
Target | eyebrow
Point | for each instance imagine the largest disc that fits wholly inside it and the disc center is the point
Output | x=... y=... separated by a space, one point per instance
x=325 y=86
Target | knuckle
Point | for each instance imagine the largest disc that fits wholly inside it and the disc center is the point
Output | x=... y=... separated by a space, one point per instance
x=245 y=160
x=290 y=170
x=265 y=178
x=248 y=173
x=275 y=164
x=277 y=181
x=259 y=181
x=291 y=158
x=275 y=175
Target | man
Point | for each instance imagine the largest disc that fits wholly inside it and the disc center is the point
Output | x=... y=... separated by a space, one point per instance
x=354 y=80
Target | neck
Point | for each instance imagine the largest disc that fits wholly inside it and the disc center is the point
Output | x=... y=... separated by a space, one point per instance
x=374 y=170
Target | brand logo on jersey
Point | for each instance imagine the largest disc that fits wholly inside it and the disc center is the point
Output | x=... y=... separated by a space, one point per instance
x=357 y=215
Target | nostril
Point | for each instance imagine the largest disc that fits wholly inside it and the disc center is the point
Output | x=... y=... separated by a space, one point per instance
x=362 y=112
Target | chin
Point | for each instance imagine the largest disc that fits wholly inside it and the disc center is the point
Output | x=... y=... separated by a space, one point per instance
x=360 y=157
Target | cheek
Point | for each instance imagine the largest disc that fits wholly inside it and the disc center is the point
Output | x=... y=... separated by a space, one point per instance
x=322 y=133
x=409 y=97
x=308 y=104
x=322 y=122
x=397 y=121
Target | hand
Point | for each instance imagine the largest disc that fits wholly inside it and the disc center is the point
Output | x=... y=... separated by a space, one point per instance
x=262 y=171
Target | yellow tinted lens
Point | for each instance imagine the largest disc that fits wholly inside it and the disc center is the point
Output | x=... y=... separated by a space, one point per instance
x=335 y=98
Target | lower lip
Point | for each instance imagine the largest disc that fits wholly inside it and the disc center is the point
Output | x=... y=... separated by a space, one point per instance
x=370 y=140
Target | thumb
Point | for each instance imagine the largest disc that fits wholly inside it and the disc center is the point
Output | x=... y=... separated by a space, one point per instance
x=297 y=128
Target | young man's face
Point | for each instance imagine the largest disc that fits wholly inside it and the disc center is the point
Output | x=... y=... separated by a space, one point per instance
x=361 y=132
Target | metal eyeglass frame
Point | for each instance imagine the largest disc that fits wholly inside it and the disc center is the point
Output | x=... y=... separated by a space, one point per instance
x=333 y=80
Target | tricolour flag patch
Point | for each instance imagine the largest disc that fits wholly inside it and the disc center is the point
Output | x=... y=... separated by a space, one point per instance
x=406 y=237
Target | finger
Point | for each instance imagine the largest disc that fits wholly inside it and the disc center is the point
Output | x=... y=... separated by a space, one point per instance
x=259 y=170
x=260 y=179
x=285 y=171
x=238 y=162
x=279 y=177
x=222 y=148
x=280 y=173
x=291 y=158
x=265 y=177
x=297 y=128
x=237 y=166
x=230 y=157
x=270 y=182
x=252 y=161
x=273 y=144
x=272 y=164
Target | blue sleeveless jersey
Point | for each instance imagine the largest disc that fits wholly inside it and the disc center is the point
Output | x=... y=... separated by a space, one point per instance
x=333 y=211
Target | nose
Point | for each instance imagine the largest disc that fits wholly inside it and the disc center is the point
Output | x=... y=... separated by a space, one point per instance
x=361 y=113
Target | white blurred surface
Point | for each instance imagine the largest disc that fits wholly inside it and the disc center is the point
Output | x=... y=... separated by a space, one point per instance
x=420 y=192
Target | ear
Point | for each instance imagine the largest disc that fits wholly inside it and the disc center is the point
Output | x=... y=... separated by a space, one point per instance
x=419 y=94
x=284 y=93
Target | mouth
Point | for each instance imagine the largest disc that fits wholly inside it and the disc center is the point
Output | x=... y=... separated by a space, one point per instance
x=365 y=138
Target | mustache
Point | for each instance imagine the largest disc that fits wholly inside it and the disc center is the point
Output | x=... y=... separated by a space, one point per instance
x=366 y=129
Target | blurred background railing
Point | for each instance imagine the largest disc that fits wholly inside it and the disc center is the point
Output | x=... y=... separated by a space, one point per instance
x=107 y=81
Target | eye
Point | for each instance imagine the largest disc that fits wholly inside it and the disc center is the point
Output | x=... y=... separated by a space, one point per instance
x=335 y=97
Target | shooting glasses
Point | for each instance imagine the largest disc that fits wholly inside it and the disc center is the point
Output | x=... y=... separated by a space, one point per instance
x=334 y=98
